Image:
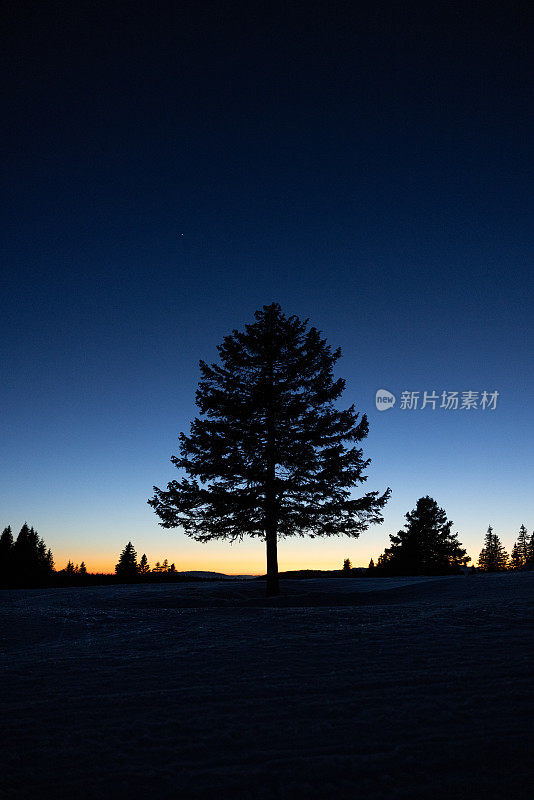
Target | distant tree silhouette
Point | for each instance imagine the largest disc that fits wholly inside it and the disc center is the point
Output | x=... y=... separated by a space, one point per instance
x=268 y=459
x=516 y=560
x=83 y=569
x=347 y=566
x=383 y=562
x=70 y=569
x=493 y=557
x=144 y=566
x=172 y=568
x=530 y=555
x=127 y=568
x=165 y=566
x=6 y=554
x=157 y=567
x=49 y=561
x=523 y=546
x=6 y=539
x=426 y=546
x=371 y=566
x=27 y=560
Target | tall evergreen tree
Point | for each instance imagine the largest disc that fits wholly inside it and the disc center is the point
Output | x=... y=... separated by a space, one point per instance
x=347 y=566
x=523 y=543
x=6 y=540
x=268 y=458
x=83 y=569
x=24 y=561
x=50 y=566
x=530 y=554
x=516 y=560
x=127 y=567
x=493 y=557
x=31 y=561
x=6 y=554
x=426 y=546
x=144 y=566
x=24 y=551
x=383 y=562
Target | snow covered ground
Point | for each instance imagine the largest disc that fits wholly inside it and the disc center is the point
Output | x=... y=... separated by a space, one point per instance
x=342 y=688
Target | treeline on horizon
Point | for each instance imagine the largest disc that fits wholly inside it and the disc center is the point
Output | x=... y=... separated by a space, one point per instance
x=426 y=546
x=25 y=562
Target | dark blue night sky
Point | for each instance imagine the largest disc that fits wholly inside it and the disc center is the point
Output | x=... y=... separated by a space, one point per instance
x=171 y=167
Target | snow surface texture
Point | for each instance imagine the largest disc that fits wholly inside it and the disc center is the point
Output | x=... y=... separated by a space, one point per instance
x=341 y=688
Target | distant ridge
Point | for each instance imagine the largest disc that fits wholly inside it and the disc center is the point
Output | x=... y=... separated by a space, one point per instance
x=192 y=573
x=318 y=573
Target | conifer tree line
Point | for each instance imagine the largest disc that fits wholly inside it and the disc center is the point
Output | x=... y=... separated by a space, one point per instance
x=129 y=568
x=74 y=569
x=26 y=559
x=494 y=558
x=427 y=546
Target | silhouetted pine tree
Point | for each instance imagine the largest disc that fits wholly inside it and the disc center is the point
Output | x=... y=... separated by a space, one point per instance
x=6 y=554
x=347 y=566
x=523 y=543
x=144 y=566
x=50 y=565
x=530 y=558
x=70 y=569
x=383 y=562
x=493 y=557
x=83 y=569
x=268 y=458
x=31 y=563
x=516 y=561
x=45 y=559
x=24 y=553
x=127 y=568
x=426 y=546
x=371 y=566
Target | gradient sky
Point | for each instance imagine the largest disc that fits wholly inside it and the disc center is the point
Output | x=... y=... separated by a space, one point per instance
x=171 y=167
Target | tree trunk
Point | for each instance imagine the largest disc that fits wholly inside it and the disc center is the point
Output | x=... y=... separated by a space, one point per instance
x=271 y=521
x=271 y=535
x=273 y=587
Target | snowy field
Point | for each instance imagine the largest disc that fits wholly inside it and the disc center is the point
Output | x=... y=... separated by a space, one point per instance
x=342 y=688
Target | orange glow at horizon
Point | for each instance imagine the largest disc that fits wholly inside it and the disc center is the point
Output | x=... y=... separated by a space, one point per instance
x=231 y=564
